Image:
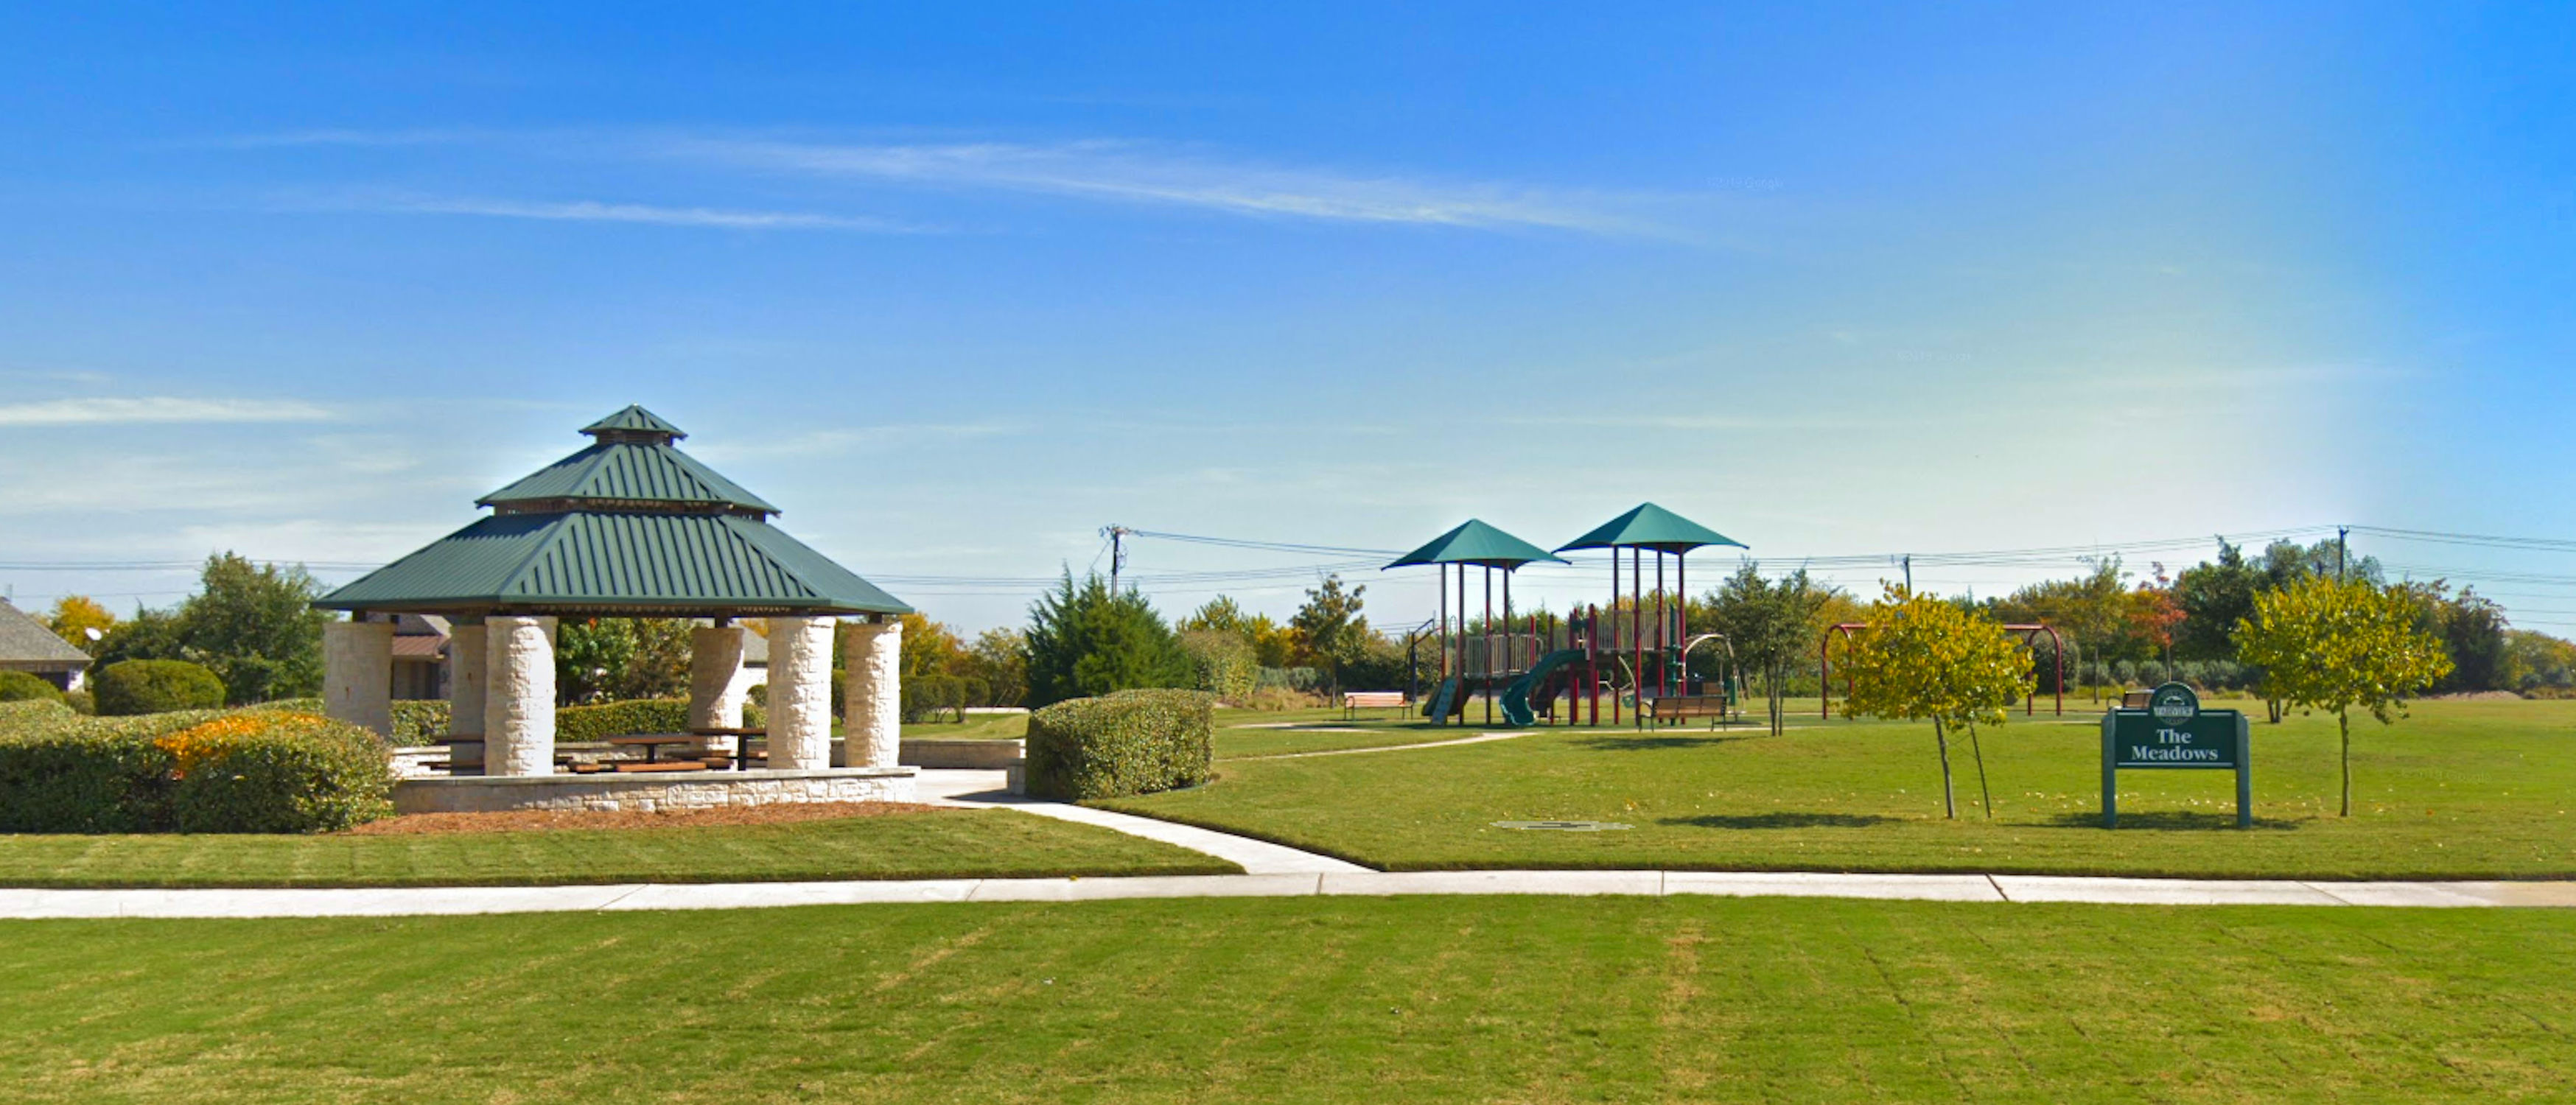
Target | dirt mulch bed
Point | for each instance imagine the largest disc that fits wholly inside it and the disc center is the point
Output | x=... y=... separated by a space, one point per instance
x=522 y=821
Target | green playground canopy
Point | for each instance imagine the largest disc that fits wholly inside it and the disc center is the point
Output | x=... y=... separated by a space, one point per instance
x=1650 y=527
x=1474 y=542
x=628 y=526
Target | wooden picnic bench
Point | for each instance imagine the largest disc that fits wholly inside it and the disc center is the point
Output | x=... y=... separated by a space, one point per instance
x=1684 y=707
x=1354 y=701
x=632 y=767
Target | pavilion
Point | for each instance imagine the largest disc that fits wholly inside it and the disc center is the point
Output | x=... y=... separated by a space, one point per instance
x=631 y=527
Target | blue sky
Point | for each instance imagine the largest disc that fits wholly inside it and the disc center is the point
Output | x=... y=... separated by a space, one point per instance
x=957 y=288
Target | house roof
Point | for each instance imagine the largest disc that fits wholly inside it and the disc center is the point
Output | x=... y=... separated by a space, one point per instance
x=628 y=526
x=1474 y=542
x=1651 y=527
x=26 y=643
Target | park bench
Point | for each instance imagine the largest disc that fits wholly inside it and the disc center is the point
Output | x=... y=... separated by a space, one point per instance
x=1355 y=701
x=1684 y=707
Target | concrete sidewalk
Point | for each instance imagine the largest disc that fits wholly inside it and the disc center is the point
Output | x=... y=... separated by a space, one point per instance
x=985 y=789
x=1998 y=889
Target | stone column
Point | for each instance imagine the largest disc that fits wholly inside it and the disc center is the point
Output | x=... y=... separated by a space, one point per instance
x=466 y=657
x=715 y=654
x=872 y=702
x=519 y=703
x=800 y=693
x=358 y=673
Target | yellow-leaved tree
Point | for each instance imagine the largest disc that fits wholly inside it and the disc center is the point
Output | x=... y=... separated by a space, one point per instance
x=2329 y=644
x=75 y=616
x=1923 y=657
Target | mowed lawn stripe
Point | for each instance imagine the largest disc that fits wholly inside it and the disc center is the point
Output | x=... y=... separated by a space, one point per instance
x=1307 y=1000
x=941 y=844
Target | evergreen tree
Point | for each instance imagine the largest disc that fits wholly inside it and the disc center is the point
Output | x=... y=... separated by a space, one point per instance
x=1083 y=640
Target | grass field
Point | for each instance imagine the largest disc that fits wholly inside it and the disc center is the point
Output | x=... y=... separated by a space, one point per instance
x=1335 y=1000
x=2458 y=790
x=944 y=844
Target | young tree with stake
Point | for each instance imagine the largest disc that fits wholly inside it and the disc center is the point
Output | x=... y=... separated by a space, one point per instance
x=2329 y=644
x=1923 y=657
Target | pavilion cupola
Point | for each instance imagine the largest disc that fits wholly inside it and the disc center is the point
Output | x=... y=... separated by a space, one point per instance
x=633 y=464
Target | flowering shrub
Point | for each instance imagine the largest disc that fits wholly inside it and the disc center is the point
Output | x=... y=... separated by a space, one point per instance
x=247 y=771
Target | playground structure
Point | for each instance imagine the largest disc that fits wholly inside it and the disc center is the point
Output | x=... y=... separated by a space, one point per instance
x=1559 y=667
x=2029 y=631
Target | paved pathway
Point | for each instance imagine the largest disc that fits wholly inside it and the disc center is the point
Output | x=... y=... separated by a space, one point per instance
x=1257 y=857
x=38 y=904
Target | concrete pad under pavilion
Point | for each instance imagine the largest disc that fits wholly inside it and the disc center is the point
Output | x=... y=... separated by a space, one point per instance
x=630 y=527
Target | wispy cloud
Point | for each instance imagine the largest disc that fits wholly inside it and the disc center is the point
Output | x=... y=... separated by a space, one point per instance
x=158 y=409
x=1100 y=170
x=596 y=211
x=1139 y=173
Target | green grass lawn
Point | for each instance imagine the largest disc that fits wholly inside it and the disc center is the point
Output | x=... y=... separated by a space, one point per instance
x=1335 y=1000
x=2458 y=790
x=944 y=844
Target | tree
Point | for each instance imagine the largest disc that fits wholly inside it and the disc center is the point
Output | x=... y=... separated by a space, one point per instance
x=999 y=662
x=255 y=627
x=2214 y=596
x=1084 y=640
x=2092 y=609
x=1923 y=658
x=1330 y=629
x=590 y=654
x=2332 y=645
x=2152 y=612
x=608 y=659
x=1770 y=626
x=148 y=635
x=75 y=616
x=2472 y=628
x=1218 y=615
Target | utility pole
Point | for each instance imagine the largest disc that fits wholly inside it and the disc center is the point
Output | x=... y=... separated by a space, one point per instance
x=2340 y=550
x=1909 y=573
x=1117 y=554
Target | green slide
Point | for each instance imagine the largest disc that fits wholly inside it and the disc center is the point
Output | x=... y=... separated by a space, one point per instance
x=1516 y=698
x=1444 y=703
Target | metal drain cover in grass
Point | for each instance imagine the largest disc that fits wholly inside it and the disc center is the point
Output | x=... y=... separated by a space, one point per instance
x=1564 y=826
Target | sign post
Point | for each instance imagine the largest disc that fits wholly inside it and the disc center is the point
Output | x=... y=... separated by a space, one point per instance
x=2174 y=733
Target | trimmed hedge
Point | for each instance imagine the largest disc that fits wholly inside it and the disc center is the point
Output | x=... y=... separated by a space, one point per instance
x=635 y=715
x=244 y=771
x=618 y=719
x=421 y=721
x=130 y=687
x=1129 y=742
x=20 y=686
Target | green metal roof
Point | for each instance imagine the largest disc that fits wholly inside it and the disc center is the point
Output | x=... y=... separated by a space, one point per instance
x=1652 y=527
x=616 y=562
x=628 y=472
x=630 y=525
x=634 y=418
x=1474 y=542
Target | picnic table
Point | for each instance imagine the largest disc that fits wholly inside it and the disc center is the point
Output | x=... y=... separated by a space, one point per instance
x=652 y=743
x=741 y=745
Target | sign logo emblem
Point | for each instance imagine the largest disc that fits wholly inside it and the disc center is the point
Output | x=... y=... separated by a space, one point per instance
x=2174 y=704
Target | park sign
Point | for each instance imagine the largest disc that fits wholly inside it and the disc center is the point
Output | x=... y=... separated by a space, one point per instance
x=2171 y=733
